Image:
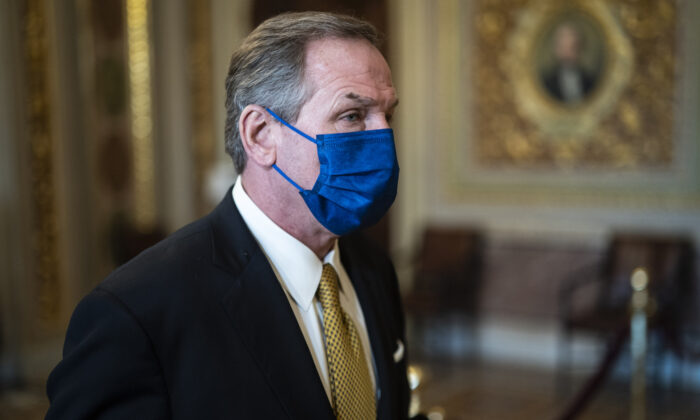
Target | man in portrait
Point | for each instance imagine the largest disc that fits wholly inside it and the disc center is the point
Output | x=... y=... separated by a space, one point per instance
x=272 y=306
x=568 y=81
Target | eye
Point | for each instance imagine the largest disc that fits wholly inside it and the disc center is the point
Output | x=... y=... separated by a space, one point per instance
x=353 y=116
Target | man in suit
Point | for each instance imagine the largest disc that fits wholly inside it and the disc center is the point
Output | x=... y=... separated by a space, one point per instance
x=272 y=306
x=568 y=81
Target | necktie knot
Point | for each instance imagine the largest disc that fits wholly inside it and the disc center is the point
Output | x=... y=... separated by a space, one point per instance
x=328 y=292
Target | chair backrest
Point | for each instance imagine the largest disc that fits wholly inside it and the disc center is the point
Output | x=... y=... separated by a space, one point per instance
x=445 y=250
x=449 y=264
x=668 y=261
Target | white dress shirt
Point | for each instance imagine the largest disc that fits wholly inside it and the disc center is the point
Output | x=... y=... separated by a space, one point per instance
x=299 y=270
x=571 y=84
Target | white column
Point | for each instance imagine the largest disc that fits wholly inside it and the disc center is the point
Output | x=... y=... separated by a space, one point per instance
x=175 y=152
x=230 y=24
x=410 y=23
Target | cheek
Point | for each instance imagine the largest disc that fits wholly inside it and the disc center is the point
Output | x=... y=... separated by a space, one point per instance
x=311 y=163
x=303 y=161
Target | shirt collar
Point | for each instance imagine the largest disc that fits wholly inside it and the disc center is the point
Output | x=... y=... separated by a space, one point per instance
x=297 y=265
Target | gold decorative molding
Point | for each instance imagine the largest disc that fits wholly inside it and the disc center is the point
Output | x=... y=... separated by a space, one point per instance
x=138 y=42
x=41 y=143
x=202 y=95
x=641 y=155
x=626 y=122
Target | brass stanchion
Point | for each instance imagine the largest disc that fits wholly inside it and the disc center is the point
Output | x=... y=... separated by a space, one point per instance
x=415 y=375
x=640 y=306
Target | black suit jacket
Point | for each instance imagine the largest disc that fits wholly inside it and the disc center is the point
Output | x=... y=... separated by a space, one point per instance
x=198 y=327
x=552 y=83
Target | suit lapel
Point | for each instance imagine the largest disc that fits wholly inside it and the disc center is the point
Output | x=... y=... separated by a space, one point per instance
x=365 y=283
x=261 y=316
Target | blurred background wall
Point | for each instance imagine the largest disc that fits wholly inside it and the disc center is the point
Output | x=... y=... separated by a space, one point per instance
x=548 y=185
x=112 y=116
x=111 y=129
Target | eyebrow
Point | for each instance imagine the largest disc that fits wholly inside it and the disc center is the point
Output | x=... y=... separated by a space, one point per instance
x=366 y=101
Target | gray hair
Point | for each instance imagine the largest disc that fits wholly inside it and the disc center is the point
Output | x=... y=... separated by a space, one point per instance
x=268 y=68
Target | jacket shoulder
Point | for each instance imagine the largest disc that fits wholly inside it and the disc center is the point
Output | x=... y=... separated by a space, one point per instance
x=167 y=261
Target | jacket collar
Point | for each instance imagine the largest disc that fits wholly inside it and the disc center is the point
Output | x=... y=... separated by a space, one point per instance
x=262 y=318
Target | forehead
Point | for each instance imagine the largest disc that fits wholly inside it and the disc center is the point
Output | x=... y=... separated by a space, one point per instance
x=567 y=31
x=339 y=66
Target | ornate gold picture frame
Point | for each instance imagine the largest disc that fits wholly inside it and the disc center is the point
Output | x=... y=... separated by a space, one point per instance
x=620 y=61
x=569 y=64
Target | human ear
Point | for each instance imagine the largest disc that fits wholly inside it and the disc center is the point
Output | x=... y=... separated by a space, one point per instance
x=256 y=135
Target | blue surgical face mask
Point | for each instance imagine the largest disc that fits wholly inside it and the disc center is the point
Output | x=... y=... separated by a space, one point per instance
x=358 y=178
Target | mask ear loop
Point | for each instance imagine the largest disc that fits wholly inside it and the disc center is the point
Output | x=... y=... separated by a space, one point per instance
x=274 y=165
x=296 y=130
x=291 y=127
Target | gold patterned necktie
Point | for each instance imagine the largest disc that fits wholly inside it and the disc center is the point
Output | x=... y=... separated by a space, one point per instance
x=351 y=386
